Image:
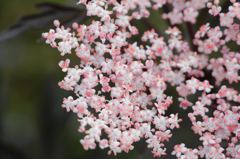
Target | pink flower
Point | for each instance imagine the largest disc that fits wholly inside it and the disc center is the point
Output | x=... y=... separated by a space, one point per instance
x=184 y=103
x=64 y=64
x=175 y=16
x=190 y=15
x=215 y=10
x=122 y=85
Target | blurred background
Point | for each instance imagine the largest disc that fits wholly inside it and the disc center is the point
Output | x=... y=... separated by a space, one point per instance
x=32 y=123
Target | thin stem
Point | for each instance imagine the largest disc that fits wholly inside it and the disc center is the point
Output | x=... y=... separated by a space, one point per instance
x=191 y=33
x=214 y=106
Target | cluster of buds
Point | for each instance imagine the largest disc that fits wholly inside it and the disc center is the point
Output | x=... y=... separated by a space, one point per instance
x=120 y=86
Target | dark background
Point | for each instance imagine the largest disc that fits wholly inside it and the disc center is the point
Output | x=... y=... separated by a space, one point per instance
x=32 y=123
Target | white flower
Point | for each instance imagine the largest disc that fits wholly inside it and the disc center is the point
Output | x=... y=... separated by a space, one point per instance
x=199 y=109
x=64 y=64
x=64 y=47
x=215 y=10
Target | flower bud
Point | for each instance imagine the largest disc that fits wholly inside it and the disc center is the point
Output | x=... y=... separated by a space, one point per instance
x=56 y=23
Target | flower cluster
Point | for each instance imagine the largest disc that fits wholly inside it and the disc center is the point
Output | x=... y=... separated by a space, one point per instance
x=120 y=86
